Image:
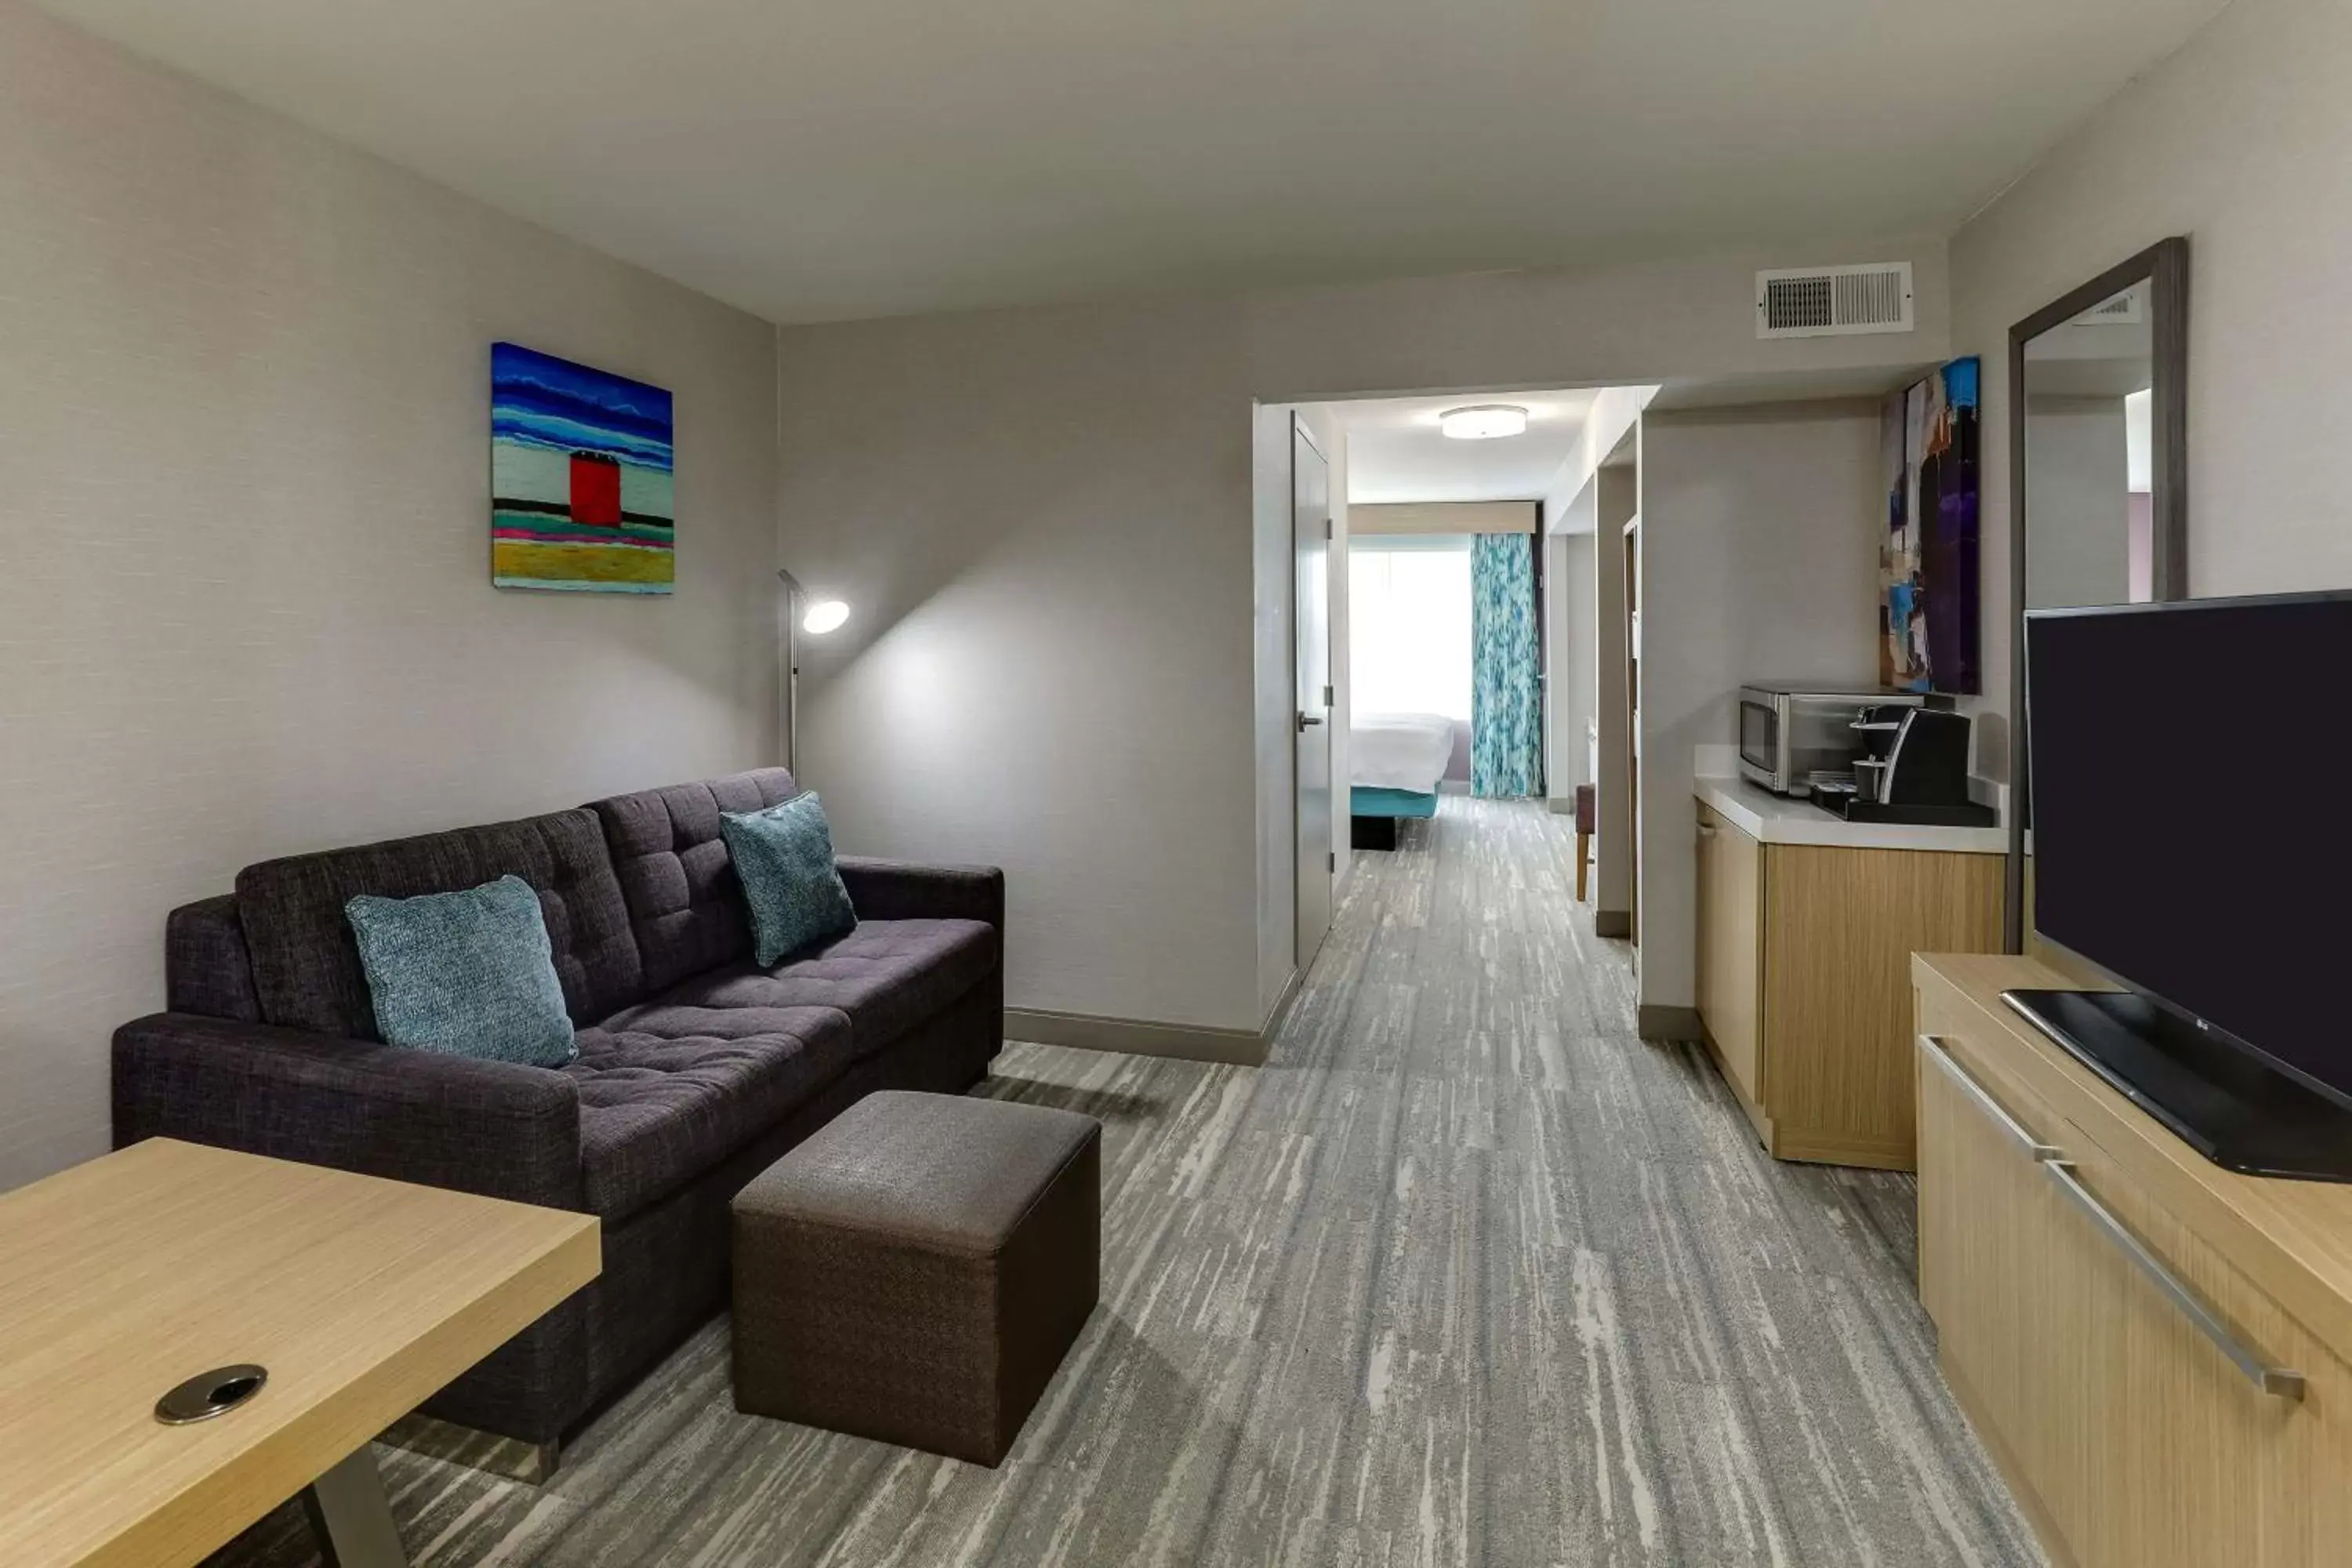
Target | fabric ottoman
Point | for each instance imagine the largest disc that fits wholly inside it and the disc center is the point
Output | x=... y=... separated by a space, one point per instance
x=915 y=1269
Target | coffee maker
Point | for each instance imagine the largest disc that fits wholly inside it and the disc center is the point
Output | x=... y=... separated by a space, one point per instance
x=1913 y=769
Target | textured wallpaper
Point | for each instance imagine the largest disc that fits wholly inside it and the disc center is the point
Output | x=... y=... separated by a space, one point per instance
x=245 y=593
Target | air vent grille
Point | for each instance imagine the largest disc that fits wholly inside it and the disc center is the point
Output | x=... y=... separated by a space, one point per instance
x=2123 y=310
x=1822 y=301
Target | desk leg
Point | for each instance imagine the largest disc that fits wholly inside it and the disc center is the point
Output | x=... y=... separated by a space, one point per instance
x=352 y=1516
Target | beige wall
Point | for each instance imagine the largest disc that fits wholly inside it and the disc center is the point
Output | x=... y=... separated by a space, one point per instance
x=1584 y=610
x=247 y=610
x=1617 y=497
x=1041 y=520
x=2241 y=142
x=1572 y=656
x=1596 y=326
x=1414 y=518
x=2078 y=472
x=1057 y=524
x=1758 y=561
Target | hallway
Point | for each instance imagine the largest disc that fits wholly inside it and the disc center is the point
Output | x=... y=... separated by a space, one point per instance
x=1466 y=1275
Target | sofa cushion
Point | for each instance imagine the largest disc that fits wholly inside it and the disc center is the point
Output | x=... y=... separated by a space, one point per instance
x=783 y=859
x=469 y=973
x=306 y=966
x=674 y=871
x=668 y=1090
x=887 y=975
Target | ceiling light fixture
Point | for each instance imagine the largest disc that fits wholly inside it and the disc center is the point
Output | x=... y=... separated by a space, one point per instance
x=1485 y=421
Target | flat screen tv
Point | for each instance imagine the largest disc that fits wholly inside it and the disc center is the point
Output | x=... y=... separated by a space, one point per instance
x=2181 y=759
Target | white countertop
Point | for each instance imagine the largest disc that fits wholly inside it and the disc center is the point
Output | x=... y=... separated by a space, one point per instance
x=1770 y=818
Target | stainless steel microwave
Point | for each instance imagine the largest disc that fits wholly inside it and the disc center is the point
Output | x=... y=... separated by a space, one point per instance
x=1791 y=734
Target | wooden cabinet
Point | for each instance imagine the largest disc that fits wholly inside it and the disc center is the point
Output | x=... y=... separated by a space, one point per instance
x=1730 y=956
x=2152 y=1348
x=1803 y=983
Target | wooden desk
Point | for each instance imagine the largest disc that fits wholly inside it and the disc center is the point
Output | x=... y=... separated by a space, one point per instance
x=361 y=1297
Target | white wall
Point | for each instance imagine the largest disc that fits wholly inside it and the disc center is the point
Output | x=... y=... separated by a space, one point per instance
x=1760 y=546
x=2241 y=142
x=1614 y=412
x=244 y=475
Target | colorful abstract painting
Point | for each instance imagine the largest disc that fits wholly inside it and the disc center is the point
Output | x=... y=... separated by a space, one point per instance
x=1930 y=591
x=580 y=477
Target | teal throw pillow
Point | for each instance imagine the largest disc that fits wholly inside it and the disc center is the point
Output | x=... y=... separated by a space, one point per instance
x=471 y=974
x=784 y=857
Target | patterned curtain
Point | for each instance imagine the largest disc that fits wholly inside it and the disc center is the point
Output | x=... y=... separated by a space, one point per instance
x=1506 y=697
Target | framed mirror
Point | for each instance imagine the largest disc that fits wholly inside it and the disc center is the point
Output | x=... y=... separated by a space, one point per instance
x=2098 y=483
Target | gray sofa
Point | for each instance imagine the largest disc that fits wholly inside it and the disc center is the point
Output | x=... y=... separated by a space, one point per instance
x=697 y=1068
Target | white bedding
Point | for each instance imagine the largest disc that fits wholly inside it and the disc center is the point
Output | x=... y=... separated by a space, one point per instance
x=1400 y=751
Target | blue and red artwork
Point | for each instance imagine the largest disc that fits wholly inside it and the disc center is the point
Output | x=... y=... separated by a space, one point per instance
x=1931 y=593
x=580 y=477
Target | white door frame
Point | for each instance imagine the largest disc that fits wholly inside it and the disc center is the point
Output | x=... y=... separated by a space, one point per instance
x=1307 y=715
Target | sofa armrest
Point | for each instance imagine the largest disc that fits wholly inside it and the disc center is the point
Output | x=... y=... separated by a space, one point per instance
x=496 y=1129
x=902 y=890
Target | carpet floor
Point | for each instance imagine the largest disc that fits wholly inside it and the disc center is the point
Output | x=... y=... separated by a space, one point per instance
x=1466 y=1275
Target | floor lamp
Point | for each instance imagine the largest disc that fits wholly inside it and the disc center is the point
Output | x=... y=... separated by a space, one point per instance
x=821 y=617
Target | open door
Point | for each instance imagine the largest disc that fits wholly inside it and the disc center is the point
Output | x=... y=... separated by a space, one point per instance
x=1634 y=721
x=1310 y=541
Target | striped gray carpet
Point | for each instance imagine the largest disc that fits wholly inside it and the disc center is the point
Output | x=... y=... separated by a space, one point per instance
x=1468 y=1275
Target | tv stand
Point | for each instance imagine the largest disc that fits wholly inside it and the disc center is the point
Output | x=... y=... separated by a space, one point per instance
x=2156 y=1351
x=2236 y=1109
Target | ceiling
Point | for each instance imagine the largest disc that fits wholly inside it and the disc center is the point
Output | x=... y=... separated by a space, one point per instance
x=813 y=161
x=1396 y=452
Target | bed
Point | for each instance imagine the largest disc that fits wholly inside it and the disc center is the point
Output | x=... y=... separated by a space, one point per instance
x=1396 y=762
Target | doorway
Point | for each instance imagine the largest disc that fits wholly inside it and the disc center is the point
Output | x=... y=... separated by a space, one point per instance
x=1310 y=547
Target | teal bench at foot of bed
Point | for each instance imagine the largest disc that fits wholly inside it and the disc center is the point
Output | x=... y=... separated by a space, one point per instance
x=1362 y=802
x=1375 y=814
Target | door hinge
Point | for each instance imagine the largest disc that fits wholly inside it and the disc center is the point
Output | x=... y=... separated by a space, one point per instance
x=1334 y=859
x=1328 y=534
x=1331 y=696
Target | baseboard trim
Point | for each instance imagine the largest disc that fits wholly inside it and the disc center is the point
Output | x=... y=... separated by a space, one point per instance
x=1618 y=923
x=1830 y=1148
x=1677 y=1024
x=1279 y=1014
x=1144 y=1037
x=1756 y=1117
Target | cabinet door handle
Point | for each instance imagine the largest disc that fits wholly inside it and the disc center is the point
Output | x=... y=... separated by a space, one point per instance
x=2274 y=1380
x=1933 y=1048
